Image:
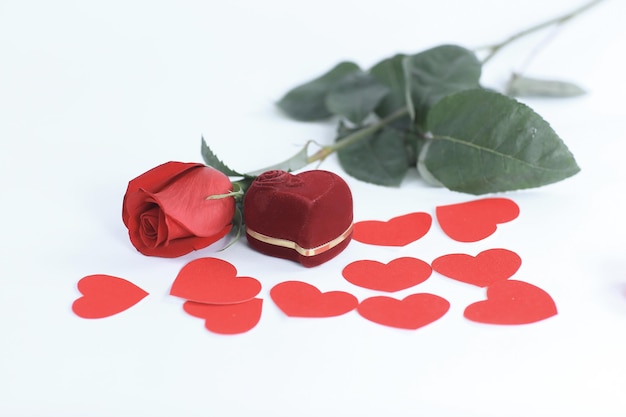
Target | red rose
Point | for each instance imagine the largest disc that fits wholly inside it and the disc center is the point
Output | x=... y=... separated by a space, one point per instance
x=167 y=213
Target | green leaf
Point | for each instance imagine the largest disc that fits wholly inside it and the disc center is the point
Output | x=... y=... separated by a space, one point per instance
x=307 y=101
x=521 y=86
x=484 y=142
x=213 y=161
x=355 y=96
x=379 y=158
x=436 y=73
x=422 y=169
x=390 y=73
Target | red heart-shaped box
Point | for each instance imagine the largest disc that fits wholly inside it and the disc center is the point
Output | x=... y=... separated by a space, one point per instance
x=305 y=217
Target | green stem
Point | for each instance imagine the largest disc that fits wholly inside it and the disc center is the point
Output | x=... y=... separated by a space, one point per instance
x=357 y=136
x=237 y=193
x=494 y=49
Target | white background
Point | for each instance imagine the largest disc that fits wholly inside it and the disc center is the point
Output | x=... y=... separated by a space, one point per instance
x=93 y=94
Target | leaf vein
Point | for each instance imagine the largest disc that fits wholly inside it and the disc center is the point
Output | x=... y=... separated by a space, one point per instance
x=494 y=152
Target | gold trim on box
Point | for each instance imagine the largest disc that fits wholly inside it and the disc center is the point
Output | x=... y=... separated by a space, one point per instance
x=284 y=243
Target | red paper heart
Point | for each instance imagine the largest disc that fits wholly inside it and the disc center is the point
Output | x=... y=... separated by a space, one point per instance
x=213 y=281
x=398 y=231
x=299 y=299
x=227 y=319
x=412 y=312
x=105 y=295
x=399 y=274
x=482 y=270
x=475 y=220
x=512 y=302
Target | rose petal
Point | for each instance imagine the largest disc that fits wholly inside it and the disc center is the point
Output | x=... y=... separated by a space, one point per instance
x=163 y=232
x=141 y=204
x=149 y=226
x=184 y=201
x=177 y=247
x=154 y=180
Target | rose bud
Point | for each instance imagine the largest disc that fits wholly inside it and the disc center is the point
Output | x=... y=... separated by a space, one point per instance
x=167 y=212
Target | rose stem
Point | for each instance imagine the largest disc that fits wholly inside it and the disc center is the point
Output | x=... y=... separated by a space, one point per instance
x=357 y=136
x=494 y=49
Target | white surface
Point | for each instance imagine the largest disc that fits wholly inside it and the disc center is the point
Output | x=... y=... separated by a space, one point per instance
x=94 y=93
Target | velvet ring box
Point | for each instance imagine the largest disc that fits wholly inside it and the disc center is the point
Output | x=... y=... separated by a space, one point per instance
x=305 y=217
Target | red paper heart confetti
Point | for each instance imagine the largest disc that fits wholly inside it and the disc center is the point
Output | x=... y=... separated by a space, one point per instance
x=482 y=270
x=399 y=231
x=412 y=312
x=227 y=319
x=299 y=299
x=512 y=302
x=399 y=274
x=213 y=281
x=105 y=295
x=475 y=220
